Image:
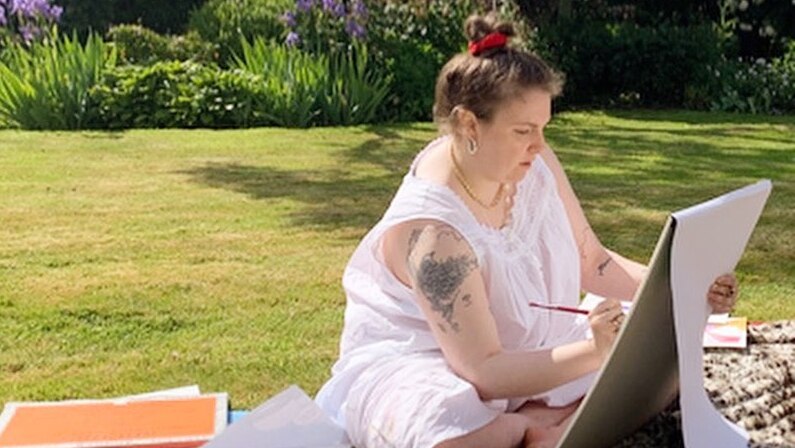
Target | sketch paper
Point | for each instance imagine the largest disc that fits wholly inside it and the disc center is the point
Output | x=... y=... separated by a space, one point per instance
x=709 y=241
x=661 y=344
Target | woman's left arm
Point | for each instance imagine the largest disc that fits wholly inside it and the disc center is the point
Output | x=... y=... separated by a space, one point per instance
x=602 y=271
x=608 y=274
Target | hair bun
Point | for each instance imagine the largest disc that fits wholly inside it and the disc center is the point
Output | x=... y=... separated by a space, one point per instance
x=477 y=27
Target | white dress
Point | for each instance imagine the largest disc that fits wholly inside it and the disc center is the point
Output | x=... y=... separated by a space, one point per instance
x=391 y=386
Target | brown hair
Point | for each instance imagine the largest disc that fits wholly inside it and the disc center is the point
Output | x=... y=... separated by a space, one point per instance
x=479 y=83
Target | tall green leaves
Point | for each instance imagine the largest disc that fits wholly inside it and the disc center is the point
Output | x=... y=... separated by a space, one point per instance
x=355 y=92
x=305 y=89
x=46 y=86
x=293 y=80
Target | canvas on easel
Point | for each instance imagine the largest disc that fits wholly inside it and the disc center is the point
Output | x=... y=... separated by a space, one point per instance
x=643 y=373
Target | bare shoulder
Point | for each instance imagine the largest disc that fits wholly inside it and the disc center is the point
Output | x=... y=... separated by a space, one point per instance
x=408 y=245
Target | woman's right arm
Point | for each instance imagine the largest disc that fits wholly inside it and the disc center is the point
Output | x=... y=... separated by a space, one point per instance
x=439 y=265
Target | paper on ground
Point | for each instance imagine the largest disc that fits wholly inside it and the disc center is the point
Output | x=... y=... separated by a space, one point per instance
x=727 y=332
x=708 y=242
x=288 y=420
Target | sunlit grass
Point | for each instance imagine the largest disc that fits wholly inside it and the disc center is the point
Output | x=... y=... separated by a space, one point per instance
x=150 y=259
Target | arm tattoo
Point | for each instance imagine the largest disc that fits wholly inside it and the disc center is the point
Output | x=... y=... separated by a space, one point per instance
x=440 y=280
x=602 y=266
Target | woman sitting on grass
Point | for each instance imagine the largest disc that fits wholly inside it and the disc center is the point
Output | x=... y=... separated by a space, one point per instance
x=440 y=347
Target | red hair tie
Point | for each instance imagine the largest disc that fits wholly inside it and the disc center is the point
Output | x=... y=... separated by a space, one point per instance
x=489 y=41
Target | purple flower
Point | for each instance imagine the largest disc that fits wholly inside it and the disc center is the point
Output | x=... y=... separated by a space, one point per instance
x=55 y=13
x=28 y=32
x=339 y=10
x=329 y=5
x=33 y=9
x=354 y=29
x=289 y=18
x=292 y=39
x=304 y=5
x=360 y=9
x=24 y=8
x=3 y=20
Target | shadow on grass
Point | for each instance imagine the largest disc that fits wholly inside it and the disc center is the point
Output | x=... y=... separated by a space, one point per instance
x=331 y=199
x=392 y=148
x=628 y=176
x=337 y=197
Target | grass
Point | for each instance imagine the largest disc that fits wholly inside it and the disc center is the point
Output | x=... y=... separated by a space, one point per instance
x=150 y=259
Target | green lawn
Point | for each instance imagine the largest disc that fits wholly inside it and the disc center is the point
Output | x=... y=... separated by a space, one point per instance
x=150 y=259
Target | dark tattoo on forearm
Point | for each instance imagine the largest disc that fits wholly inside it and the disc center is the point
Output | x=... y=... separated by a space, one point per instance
x=440 y=280
x=602 y=266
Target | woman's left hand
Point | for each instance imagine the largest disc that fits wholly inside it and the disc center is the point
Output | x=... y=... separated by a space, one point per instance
x=722 y=294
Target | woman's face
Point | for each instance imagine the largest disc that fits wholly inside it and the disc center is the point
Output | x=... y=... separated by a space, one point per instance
x=511 y=140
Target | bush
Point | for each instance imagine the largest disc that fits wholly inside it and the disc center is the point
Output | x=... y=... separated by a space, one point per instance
x=225 y=22
x=355 y=92
x=302 y=89
x=47 y=85
x=180 y=94
x=292 y=79
x=414 y=40
x=140 y=45
x=625 y=64
x=758 y=87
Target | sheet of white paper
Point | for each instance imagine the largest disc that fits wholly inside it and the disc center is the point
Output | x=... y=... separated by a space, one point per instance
x=290 y=419
x=184 y=391
x=590 y=301
x=708 y=241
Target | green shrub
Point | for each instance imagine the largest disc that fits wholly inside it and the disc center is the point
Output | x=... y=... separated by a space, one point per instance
x=225 y=22
x=140 y=45
x=355 y=91
x=180 y=94
x=292 y=79
x=625 y=64
x=303 y=89
x=414 y=39
x=47 y=85
x=758 y=87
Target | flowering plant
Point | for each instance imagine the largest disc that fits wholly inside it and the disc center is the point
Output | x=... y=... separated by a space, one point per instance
x=27 y=20
x=324 y=25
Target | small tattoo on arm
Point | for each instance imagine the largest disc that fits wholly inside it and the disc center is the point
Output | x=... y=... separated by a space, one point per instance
x=602 y=266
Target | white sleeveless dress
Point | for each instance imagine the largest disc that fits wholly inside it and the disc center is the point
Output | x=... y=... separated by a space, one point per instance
x=391 y=386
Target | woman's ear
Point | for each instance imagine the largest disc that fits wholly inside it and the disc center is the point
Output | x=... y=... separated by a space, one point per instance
x=465 y=122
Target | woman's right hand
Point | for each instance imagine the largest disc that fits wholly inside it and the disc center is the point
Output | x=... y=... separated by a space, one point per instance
x=605 y=321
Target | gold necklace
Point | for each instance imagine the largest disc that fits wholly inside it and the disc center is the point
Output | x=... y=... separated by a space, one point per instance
x=459 y=175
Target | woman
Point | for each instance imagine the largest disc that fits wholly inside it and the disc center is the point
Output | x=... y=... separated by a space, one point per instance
x=440 y=347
